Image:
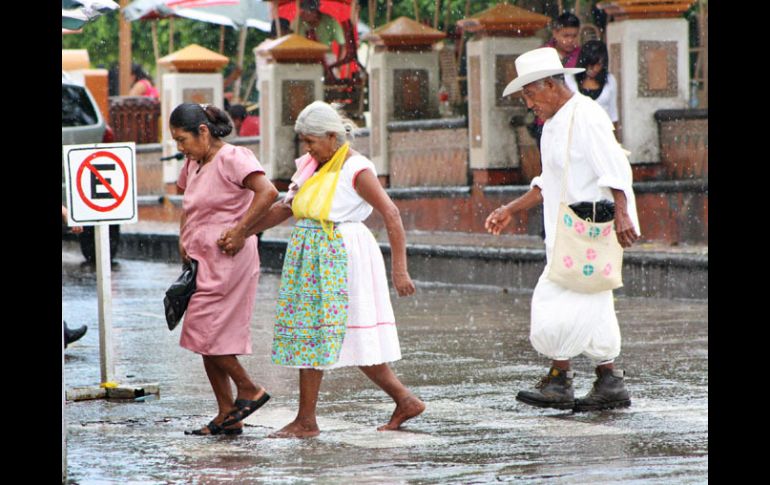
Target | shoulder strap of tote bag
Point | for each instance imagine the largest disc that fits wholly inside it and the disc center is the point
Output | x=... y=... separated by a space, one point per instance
x=566 y=163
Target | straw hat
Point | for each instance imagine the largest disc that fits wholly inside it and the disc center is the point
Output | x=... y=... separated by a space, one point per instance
x=535 y=65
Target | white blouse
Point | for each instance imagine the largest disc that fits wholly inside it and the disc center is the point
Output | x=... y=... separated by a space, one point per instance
x=347 y=205
x=597 y=162
x=608 y=98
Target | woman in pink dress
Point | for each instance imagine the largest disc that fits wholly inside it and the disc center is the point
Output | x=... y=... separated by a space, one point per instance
x=225 y=191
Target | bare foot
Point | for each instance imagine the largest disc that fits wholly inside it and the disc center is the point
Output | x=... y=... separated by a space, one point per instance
x=408 y=408
x=297 y=429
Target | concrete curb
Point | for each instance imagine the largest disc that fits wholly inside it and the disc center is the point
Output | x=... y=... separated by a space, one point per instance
x=646 y=274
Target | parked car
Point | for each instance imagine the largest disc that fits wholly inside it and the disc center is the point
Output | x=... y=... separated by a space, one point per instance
x=82 y=123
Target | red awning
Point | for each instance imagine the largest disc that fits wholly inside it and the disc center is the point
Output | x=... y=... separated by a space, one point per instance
x=339 y=9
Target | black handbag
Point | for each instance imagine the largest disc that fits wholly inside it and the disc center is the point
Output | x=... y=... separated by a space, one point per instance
x=179 y=293
x=601 y=211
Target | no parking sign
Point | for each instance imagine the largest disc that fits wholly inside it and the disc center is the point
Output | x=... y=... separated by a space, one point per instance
x=100 y=183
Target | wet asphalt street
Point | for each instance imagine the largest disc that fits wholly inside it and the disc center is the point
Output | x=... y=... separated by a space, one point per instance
x=466 y=354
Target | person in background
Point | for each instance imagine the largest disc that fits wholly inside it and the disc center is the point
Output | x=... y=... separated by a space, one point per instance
x=72 y=334
x=245 y=124
x=141 y=84
x=596 y=81
x=322 y=28
x=564 y=38
x=285 y=27
x=64 y=214
x=228 y=83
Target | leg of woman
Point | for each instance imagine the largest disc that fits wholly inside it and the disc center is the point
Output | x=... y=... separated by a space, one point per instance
x=407 y=404
x=220 y=383
x=232 y=368
x=304 y=425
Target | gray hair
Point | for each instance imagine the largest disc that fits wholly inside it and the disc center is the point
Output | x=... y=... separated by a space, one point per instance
x=319 y=118
x=540 y=83
x=559 y=78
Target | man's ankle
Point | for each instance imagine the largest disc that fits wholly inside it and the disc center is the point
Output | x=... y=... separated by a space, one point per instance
x=561 y=364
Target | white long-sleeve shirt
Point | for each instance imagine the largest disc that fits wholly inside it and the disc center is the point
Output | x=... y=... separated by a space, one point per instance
x=597 y=162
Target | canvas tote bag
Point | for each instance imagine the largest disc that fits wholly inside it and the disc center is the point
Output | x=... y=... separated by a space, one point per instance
x=587 y=256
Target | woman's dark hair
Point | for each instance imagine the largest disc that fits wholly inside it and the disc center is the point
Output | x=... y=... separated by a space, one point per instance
x=237 y=111
x=566 y=20
x=593 y=52
x=138 y=72
x=285 y=28
x=189 y=116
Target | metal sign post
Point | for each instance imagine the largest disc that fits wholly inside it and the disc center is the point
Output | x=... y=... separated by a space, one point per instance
x=103 y=285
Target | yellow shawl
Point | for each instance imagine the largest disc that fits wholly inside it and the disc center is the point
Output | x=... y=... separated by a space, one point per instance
x=314 y=198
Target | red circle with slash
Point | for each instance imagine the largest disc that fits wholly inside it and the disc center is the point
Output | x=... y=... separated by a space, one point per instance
x=119 y=198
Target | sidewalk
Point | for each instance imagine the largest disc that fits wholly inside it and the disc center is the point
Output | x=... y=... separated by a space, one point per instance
x=458 y=239
x=507 y=262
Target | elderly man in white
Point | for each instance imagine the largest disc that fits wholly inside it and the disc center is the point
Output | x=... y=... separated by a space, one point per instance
x=566 y=323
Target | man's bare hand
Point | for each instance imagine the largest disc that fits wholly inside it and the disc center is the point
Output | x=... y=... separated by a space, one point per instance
x=497 y=220
x=624 y=228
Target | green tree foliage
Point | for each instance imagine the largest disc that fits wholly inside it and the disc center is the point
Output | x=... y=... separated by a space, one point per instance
x=100 y=39
x=427 y=9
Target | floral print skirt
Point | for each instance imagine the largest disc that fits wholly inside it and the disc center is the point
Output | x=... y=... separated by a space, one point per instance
x=312 y=308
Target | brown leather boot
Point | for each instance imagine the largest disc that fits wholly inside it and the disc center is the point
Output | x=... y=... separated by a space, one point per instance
x=609 y=392
x=554 y=391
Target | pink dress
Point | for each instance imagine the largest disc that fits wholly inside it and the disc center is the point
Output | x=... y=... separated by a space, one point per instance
x=150 y=90
x=218 y=316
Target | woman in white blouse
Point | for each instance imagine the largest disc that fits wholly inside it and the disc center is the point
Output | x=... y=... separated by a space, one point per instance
x=334 y=307
x=596 y=82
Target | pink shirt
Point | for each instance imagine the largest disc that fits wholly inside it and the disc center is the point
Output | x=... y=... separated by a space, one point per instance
x=150 y=90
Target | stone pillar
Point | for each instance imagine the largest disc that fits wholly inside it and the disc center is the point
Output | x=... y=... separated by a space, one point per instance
x=403 y=82
x=649 y=56
x=502 y=33
x=290 y=74
x=192 y=76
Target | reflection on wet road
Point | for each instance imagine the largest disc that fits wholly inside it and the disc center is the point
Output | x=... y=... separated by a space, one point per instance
x=466 y=354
